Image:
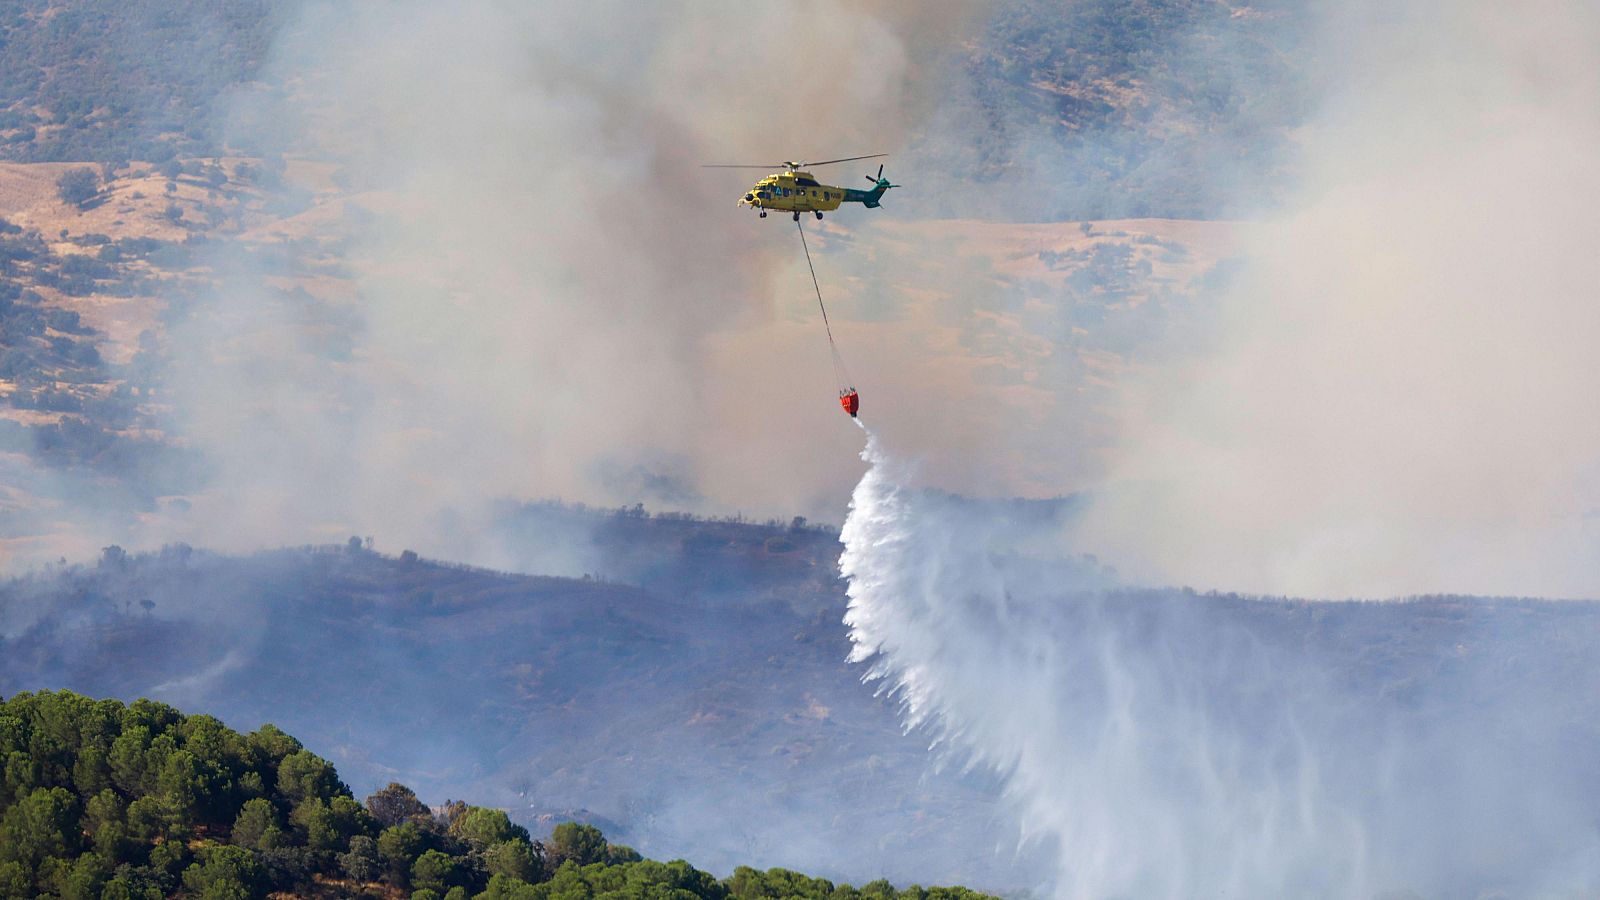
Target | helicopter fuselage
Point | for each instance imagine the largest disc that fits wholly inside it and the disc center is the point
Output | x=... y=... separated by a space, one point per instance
x=794 y=192
x=798 y=192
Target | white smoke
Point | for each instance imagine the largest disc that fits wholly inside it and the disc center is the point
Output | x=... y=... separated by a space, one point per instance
x=1397 y=397
x=532 y=274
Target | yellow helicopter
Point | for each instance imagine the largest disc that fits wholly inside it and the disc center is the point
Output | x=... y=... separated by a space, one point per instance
x=794 y=190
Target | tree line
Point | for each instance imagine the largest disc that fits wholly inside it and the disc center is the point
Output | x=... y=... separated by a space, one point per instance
x=101 y=800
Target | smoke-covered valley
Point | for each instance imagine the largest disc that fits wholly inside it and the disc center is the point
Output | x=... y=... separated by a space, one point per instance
x=697 y=701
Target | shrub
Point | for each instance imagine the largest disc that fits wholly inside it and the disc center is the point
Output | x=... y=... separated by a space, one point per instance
x=78 y=186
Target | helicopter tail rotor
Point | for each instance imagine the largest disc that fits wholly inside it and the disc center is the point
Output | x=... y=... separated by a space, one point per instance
x=878 y=180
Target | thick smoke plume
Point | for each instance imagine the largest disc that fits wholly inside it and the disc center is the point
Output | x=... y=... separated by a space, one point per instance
x=532 y=277
x=1396 y=396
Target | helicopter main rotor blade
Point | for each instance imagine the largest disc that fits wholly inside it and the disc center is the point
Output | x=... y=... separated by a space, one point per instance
x=829 y=162
x=769 y=167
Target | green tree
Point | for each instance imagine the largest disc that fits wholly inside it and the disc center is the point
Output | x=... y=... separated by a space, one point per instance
x=22 y=774
x=350 y=818
x=182 y=784
x=270 y=745
x=111 y=840
x=150 y=714
x=130 y=763
x=433 y=870
x=251 y=784
x=570 y=882
x=361 y=862
x=148 y=818
x=78 y=186
x=87 y=878
x=303 y=774
x=13 y=732
x=505 y=887
x=225 y=873
x=43 y=824
x=514 y=858
x=257 y=826
x=750 y=884
x=103 y=822
x=675 y=879
x=16 y=881
x=481 y=826
x=91 y=773
x=582 y=844
x=130 y=887
x=316 y=821
x=52 y=756
x=290 y=869
x=878 y=890
x=399 y=847
x=169 y=857
x=219 y=753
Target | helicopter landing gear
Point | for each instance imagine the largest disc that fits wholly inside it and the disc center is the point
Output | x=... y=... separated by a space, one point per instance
x=797 y=215
x=819 y=214
x=763 y=214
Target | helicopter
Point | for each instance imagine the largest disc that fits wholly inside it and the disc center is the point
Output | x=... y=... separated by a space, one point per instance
x=794 y=190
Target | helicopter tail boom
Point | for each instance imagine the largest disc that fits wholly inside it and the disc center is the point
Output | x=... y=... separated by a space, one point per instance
x=870 y=199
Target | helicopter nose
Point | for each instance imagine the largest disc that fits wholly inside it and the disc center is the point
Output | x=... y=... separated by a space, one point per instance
x=749 y=196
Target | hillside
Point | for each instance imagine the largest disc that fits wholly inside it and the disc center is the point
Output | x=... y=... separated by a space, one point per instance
x=706 y=674
x=142 y=801
x=1101 y=109
x=93 y=82
x=717 y=681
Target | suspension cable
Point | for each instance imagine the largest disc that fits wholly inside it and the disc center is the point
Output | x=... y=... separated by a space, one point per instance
x=840 y=371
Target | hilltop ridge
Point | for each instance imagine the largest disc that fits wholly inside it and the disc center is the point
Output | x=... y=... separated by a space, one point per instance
x=142 y=801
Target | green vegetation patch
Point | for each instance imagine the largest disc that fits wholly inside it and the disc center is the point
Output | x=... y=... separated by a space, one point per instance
x=109 y=801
